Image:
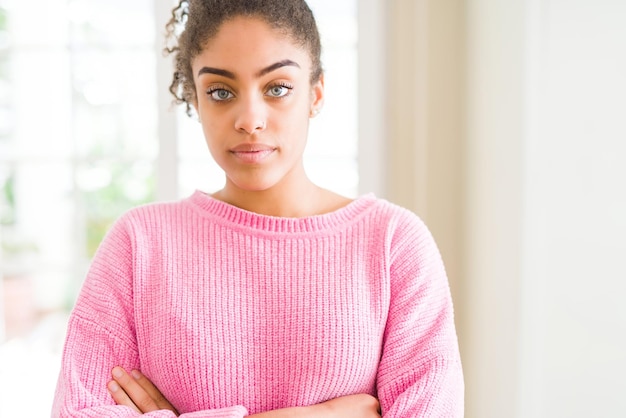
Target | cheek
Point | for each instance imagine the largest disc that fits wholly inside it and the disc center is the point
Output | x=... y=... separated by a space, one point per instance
x=298 y=113
x=212 y=132
x=295 y=127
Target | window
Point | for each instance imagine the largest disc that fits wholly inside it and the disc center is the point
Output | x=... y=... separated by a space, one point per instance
x=79 y=145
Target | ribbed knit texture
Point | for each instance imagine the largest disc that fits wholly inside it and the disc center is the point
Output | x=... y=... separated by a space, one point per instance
x=233 y=313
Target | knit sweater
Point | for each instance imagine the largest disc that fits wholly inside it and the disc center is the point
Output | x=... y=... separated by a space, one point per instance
x=231 y=313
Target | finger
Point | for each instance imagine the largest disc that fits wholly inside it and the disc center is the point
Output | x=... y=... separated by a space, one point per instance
x=119 y=396
x=133 y=389
x=152 y=391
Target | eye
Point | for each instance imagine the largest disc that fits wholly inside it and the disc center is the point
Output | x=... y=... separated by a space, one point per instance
x=219 y=94
x=279 y=90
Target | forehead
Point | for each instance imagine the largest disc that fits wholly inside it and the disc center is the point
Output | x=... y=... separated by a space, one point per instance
x=246 y=43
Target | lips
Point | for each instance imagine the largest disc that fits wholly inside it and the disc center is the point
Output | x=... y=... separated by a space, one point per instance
x=252 y=153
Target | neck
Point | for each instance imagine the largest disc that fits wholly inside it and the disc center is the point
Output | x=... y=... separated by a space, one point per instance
x=284 y=200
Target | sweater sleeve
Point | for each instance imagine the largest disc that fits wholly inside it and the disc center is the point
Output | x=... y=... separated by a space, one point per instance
x=420 y=372
x=101 y=335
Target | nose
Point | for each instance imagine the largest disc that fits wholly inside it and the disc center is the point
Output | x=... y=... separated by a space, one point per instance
x=251 y=115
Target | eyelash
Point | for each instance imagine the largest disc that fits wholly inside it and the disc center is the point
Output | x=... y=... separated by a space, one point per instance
x=214 y=89
x=218 y=88
x=287 y=86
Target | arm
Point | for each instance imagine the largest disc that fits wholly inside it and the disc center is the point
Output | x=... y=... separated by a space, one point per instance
x=350 y=406
x=420 y=370
x=101 y=334
x=137 y=392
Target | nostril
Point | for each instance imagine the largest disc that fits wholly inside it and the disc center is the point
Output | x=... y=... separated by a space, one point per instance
x=251 y=126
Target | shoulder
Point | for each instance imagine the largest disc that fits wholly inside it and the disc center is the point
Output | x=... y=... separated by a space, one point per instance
x=155 y=212
x=148 y=220
x=409 y=241
x=397 y=220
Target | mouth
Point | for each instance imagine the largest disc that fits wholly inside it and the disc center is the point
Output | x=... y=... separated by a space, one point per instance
x=252 y=153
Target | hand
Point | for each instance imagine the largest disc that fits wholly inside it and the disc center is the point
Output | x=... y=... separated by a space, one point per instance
x=359 y=405
x=350 y=406
x=137 y=391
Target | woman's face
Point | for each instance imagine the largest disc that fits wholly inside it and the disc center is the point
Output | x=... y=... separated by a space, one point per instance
x=254 y=100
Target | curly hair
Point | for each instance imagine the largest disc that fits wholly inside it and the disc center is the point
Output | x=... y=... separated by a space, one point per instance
x=195 y=22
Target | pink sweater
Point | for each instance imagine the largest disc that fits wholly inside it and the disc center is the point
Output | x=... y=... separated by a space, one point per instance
x=233 y=313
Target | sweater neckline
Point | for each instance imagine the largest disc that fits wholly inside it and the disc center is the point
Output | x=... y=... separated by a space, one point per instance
x=240 y=218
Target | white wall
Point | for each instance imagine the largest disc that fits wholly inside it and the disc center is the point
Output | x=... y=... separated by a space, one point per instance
x=546 y=208
x=506 y=131
x=573 y=270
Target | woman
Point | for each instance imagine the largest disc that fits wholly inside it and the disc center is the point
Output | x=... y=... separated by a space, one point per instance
x=272 y=297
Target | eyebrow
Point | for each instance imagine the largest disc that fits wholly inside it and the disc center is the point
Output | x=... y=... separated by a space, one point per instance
x=276 y=66
x=262 y=72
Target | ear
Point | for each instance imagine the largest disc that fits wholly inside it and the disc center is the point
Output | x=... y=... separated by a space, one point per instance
x=317 y=97
x=194 y=104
